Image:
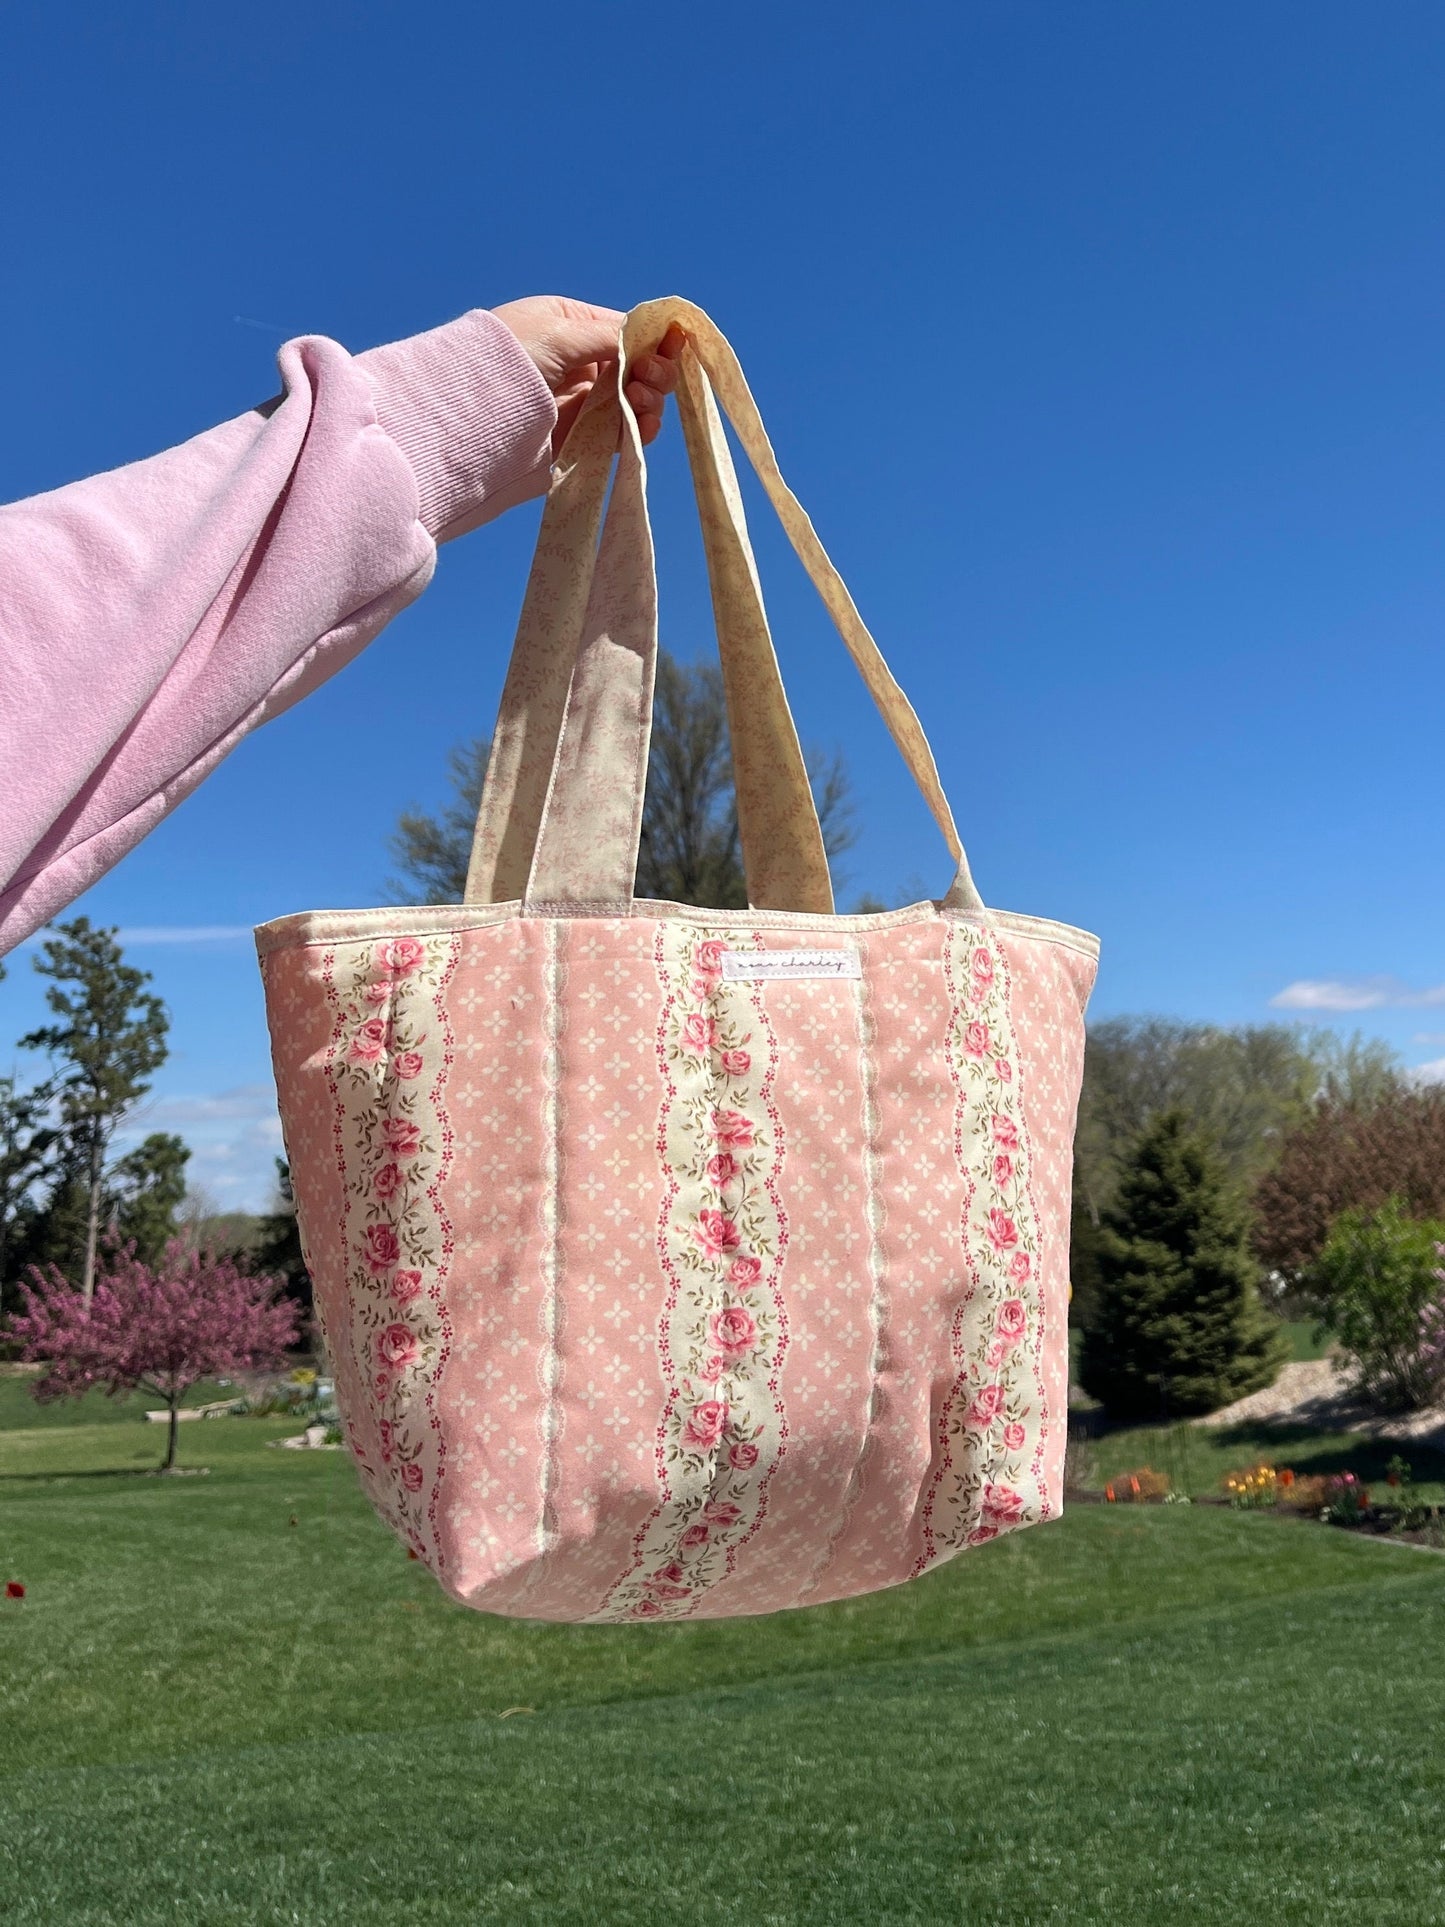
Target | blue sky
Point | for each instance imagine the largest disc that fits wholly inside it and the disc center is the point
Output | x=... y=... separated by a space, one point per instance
x=1103 y=342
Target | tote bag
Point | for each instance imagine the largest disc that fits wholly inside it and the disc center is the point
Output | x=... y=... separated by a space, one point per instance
x=678 y=1262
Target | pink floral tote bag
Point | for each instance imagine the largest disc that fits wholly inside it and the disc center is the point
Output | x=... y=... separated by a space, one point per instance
x=678 y=1262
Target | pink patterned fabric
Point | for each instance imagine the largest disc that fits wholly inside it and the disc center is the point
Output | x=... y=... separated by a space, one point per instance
x=652 y=1294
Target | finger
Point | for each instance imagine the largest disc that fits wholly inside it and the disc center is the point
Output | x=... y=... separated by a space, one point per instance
x=588 y=332
x=656 y=372
x=645 y=400
x=579 y=374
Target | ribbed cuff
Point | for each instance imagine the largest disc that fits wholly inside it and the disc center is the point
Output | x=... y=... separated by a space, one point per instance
x=468 y=409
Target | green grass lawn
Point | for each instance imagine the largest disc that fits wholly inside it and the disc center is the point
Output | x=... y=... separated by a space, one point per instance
x=1305 y=1339
x=232 y=1699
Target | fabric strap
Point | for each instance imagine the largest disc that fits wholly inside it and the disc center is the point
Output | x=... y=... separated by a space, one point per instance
x=561 y=809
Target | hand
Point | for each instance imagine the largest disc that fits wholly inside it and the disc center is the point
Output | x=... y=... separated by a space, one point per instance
x=572 y=343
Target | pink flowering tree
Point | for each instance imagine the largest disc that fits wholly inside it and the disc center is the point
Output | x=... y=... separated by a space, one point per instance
x=194 y=1316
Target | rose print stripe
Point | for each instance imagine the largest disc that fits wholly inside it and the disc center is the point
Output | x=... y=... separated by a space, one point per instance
x=988 y=1458
x=1040 y=1427
x=401 y=1136
x=722 y=1496
x=722 y=1237
x=388 y=1064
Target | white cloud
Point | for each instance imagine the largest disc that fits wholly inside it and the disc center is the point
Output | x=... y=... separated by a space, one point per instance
x=1355 y=993
x=234 y=1137
x=1431 y=1073
x=253 y=1101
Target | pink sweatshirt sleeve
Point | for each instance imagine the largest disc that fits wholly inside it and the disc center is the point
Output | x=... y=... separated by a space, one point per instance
x=149 y=617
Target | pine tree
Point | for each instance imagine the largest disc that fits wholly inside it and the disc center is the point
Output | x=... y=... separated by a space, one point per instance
x=1179 y=1326
x=110 y=1036
x=144 y=1192
x=277 y=1249
x=27 y=1149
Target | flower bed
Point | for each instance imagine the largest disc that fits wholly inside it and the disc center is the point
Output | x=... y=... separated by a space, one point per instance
x=1340 y=1499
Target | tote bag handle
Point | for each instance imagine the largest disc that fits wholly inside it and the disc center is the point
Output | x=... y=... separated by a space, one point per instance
x=783 y=855
x=561 y=810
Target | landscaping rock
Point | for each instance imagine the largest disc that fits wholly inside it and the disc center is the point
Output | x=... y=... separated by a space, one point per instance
x=1321 y=1393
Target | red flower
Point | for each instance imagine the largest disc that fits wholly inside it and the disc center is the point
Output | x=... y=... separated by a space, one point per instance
x=396 y=1348
x=399 y=956
x=733 y=1330
x=699 y=1033
x=715 y=1234
x=988 y=1402
x=1001 y=1505
x=706 y=1423
x=707 y=958
x=405 y=1285
x=14 y=1589
x=369 y=1043
x=733 y=1131
x=1010 y=1320
x=1002 y=1232
x=381 y=1249
x=401 y=1136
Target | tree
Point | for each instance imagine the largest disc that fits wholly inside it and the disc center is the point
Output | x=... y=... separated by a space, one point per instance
x=145 y=1190
x=1246 y=1089
x=1179 y=1327
x=27 y=1145
x=1350 y=1156
x=1377 y=1284
x=194 y=1316
x=432 y=852
x=277 y=1249
x=110 y=1038
x=690 y=850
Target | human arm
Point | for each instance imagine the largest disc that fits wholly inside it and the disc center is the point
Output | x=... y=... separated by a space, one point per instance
x=151 y=616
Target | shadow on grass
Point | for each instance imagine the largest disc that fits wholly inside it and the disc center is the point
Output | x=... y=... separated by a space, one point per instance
x=107 y=1472
x=1196 y=1457
x=1311 y=1451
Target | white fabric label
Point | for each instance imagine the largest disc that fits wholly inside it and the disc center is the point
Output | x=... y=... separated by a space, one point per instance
x=759 y=966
